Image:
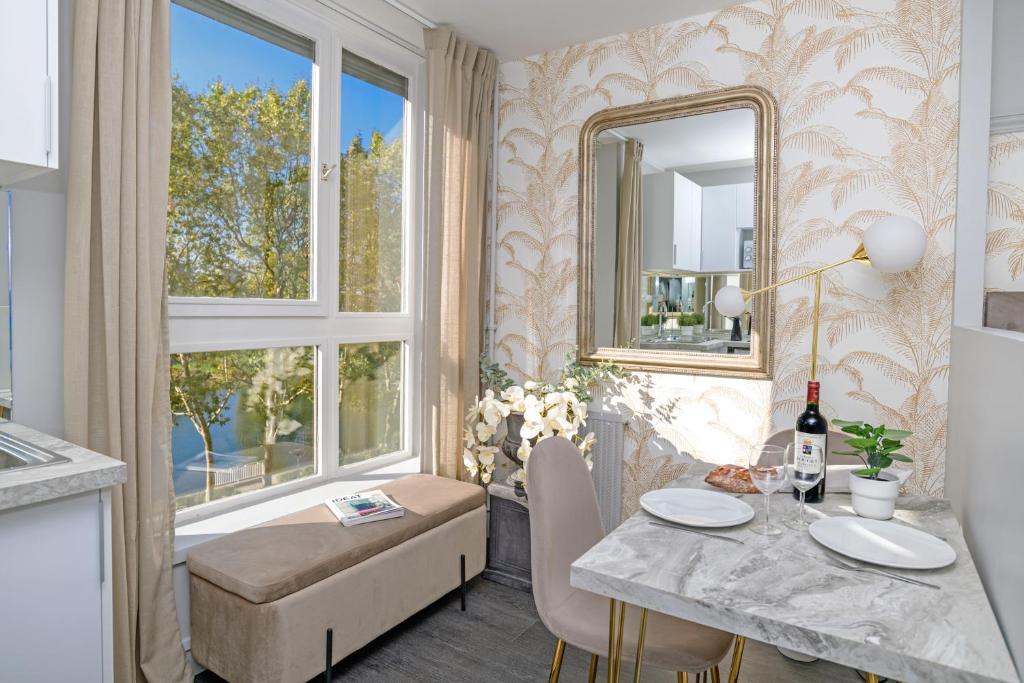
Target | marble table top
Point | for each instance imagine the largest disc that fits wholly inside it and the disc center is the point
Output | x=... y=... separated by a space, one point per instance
x=87 y=471
x=780 y=590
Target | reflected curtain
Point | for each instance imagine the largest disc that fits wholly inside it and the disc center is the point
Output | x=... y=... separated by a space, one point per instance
x=629 y=246
x=116 y=361
x=460 y=90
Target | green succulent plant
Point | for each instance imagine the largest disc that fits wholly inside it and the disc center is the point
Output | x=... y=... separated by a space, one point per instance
x=877 y=447
x=649 y=320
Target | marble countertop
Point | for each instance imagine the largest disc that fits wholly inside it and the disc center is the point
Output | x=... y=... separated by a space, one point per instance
x=87 y=471
x=780 y=590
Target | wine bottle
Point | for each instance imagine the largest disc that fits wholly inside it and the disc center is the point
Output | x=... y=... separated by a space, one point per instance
x=811 y=430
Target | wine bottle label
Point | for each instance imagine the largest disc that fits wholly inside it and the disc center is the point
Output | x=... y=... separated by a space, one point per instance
x=806 y=462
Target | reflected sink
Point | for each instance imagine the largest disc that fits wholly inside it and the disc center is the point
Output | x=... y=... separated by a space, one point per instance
x=16 y=454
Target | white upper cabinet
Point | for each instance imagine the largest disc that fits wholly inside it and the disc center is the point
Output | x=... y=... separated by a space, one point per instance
x=671 y=232
x=28 y=77
x=718 y=229
x=745 y=205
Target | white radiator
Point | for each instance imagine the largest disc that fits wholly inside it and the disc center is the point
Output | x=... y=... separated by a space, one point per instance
x=608 y=427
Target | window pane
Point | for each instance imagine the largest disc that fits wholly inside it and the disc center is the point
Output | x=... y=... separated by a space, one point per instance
x=239 y=216
x=370 y=400
x=372 y=118
x=243 y=420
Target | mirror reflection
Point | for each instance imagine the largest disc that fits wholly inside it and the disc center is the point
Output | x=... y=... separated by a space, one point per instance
x=674 y=221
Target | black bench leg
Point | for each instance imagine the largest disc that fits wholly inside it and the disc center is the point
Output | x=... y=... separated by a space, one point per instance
x=462 y=581
x=329 y=655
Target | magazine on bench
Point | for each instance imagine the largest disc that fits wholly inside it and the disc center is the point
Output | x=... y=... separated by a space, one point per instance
x=367 y=506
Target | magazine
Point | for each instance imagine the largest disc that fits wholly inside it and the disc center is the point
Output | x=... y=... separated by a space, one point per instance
x=367 y=506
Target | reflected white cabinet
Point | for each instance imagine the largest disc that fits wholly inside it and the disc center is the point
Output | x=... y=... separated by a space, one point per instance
x=745 y=205
x=672 y=215
x=28 y=77
x=718 y=229
x=55 y=594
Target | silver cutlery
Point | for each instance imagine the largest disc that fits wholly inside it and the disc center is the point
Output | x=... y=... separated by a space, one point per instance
x=843 y=563
x=677 y=527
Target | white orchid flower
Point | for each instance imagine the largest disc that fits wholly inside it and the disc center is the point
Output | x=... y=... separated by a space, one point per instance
x=484 y=431
x=587 y=443
x=485 y=454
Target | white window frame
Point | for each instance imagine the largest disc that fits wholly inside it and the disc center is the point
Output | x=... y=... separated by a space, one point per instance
x=225 y=324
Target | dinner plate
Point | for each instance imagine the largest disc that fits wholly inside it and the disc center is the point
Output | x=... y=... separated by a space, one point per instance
x=696 y=507
x=883 y=543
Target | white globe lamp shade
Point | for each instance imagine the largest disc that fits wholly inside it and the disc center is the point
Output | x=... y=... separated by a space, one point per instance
x=729 y=301
x=895 y=244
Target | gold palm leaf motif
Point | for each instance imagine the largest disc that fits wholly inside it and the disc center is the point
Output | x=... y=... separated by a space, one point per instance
x=653 y=56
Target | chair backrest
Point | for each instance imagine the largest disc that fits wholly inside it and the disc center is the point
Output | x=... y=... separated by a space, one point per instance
x=565 y=520
x=836 y=442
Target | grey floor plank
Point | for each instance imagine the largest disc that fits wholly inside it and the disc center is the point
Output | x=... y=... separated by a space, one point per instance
x=501 y=639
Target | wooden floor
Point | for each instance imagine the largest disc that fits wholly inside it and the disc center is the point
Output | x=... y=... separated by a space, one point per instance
x=500 y=638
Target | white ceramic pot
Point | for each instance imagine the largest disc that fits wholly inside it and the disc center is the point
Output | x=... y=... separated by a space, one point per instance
x=686 y=331
x=875 y=498
x=648 y=330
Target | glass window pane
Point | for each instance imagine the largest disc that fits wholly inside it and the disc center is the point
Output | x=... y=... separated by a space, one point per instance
x=372 y=125
x=370 y=400
x=243 y=420
x=239 y=204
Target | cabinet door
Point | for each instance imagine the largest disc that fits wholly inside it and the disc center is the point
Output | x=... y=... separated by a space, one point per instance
x=25 y=115
x=686 y=244
x=50 y=595
x=658 y=221
x=745 y=205
x=718 y=229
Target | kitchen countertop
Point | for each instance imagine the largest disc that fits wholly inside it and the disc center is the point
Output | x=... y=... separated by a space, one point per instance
x=87 y=471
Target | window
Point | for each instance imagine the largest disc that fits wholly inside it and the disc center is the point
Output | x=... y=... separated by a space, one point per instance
x=289 y=185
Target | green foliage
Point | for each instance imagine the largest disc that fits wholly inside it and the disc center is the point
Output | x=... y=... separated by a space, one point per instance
x=687 y=320
x=580 y=379
x=649 y=320
x=877 y=447
x=238 y=214
x=698 y=318
x=493 y=376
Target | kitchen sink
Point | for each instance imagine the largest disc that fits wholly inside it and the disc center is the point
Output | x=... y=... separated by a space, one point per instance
x=16 y=454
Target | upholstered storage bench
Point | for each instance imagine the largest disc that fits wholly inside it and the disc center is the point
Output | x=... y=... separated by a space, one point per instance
x=264 y=598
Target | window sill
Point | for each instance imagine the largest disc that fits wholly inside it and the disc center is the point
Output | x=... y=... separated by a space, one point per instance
x=192 y=534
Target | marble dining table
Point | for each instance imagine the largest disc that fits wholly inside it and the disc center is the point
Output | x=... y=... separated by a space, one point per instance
x=782 y=590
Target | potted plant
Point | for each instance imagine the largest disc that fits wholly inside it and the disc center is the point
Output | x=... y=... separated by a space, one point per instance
x=531 y=412
x=874 y=490
x=648 y=325
x=686 y=323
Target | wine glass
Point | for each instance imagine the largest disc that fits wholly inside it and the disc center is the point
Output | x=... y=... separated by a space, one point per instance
x=767 y=468
x=804 y=467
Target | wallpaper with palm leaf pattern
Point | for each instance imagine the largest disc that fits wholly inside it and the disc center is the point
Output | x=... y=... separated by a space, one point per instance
x=1004 y=246
x=867 y=93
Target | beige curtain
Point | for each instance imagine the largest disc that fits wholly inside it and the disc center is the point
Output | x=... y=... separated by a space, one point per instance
x=116 y=371
x=460 y=89
x=629 y=247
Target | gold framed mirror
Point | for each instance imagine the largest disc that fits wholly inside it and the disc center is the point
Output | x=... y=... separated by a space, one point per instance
x=678 y=199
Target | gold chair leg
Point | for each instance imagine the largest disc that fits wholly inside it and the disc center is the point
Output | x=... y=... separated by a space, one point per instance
x=556 y=662
x=682 y=677
x=618 y=640
x=611 y=643
x=714 y=675
x=592 y=672
x=737 y=659
x=640 y=645
x=872 y=678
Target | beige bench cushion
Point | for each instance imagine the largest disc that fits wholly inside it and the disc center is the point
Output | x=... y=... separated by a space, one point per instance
x=270 y=561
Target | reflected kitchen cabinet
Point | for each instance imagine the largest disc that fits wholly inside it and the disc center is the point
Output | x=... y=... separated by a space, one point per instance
x=695 y=229
x=672 y=216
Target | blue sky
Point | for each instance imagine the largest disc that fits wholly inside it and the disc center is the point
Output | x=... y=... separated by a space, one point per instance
x=204 y=50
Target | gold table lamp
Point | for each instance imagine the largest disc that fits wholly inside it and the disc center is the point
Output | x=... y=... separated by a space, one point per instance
x=891 y=245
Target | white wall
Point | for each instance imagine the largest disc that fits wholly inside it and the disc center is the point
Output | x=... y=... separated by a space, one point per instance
x=985 y=465
x=1007 y=59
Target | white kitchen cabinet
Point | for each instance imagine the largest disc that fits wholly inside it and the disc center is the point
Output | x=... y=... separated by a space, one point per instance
x=718 y=229
x=55 y=591
x=745 y=205
x=671 y=232
x=28 y=77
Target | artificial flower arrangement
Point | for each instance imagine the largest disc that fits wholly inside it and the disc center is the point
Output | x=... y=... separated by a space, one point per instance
x=536 y=410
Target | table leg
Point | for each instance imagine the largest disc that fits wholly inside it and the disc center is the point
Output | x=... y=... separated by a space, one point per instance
x=737 y=659
x=640 y=645
x=611 y=642
x=618 y=640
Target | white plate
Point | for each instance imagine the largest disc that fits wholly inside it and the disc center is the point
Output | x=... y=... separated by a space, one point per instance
x=696 y=507
x=884 y=543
